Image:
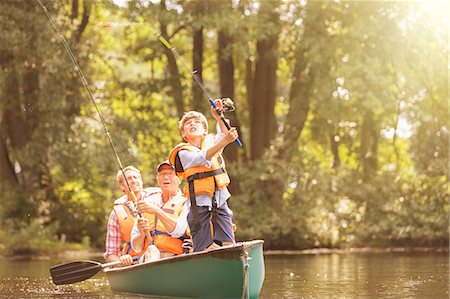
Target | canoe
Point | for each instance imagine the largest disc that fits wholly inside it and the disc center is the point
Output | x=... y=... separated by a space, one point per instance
x=235 y=271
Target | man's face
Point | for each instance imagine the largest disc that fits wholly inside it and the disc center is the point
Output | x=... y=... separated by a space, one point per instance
x=192 y=128
x=167 y=179
x=134 y=180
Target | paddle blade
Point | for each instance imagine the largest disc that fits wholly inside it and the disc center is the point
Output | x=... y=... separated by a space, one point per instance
x=74 y=271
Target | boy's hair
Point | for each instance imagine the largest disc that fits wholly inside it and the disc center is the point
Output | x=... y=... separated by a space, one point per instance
x=119 y=176
x=192 y=114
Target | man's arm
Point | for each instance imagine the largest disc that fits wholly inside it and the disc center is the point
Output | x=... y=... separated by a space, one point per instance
x=167 y=220
x=138 y=234
x=113 y=239
x=182 y=224
x=147 y=207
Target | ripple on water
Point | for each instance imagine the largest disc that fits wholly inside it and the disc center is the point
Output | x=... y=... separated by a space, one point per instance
x=43 y=287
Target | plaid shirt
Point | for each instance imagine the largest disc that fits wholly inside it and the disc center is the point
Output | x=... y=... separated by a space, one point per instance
x=113 y=238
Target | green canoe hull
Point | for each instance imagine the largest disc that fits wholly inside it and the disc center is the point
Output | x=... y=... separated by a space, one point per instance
x=235 y=271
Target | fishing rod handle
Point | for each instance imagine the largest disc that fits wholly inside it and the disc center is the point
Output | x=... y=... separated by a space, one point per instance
x=147 y=232
x=238 y=142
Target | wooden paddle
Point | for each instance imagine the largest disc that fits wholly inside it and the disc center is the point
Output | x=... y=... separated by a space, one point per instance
x=72 y=272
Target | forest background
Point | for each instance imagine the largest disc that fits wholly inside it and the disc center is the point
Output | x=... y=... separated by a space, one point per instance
x=342 y=107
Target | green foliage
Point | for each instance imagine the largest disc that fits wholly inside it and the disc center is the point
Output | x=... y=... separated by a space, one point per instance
x=29 y=239
x=77 y=212
x=377 y=87
x=328 y=208
x=415 y=211
x=35 y=239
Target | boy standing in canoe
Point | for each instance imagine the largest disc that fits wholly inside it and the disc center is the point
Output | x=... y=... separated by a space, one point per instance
x=200 y=163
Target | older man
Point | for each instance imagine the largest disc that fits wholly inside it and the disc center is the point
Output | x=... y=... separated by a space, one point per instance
x=122 y=217
x=165 y=217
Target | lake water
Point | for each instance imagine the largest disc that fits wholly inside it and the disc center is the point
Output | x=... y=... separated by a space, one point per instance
x=350 y=275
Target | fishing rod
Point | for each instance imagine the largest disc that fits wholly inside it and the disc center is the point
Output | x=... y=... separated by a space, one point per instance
x=227 y=103
x=91 y=97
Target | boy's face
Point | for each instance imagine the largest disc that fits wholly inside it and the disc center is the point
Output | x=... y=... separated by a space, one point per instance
x=193 y=128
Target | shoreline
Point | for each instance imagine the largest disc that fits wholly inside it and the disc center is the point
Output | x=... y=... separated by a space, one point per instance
x=356 y=250
x=89 y=254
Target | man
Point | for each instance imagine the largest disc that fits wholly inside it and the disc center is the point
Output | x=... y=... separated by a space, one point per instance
x=165 y=217
x=200 y=163
x=122 y=217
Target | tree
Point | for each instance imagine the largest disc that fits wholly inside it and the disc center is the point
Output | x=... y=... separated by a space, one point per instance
x=262 y=102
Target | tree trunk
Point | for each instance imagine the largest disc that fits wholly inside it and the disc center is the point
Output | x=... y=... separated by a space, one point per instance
x=199 y=100
x=30 y=87
x=175 y=78
x=262 y=116
x=299 y=105
x=14 y=121
x=394 y=138
x=334 y=146
x=72 y=84
x=84 y=20
x=31 y=169
x=7 y=173
x=369 y=146
x=226 y=75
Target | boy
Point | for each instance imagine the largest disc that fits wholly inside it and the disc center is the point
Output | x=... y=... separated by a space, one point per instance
x=200 y=163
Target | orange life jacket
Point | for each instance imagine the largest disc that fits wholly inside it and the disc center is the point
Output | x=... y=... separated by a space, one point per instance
x=160 y=236
x=209 y=178
x=158 y=232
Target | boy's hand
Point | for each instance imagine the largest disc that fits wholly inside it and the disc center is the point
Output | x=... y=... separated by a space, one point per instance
x=219 y=104
x=142 y=224
x=214 y=113
x=231 y=135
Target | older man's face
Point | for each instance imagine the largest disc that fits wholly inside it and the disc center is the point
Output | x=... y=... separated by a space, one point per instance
x=134 y=180
x=167 y=179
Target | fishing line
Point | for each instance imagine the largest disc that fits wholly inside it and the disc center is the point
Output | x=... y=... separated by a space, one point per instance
x=86 y=86
x=197 y=80
x=180 y=58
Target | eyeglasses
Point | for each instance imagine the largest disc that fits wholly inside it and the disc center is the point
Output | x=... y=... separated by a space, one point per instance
x=169 y=174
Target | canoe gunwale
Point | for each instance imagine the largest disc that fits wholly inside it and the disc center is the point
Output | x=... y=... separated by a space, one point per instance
x=236 y=250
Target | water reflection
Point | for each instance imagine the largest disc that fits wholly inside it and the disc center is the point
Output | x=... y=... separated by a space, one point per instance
x=363 y=275
x=95 y=288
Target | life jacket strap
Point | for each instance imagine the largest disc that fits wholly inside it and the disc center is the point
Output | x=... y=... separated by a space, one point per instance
x=128 y=248
x=206 y=174
x=214 y=212
x=190 y=179
x=158 y=232
x=214 y=215
x=193 y=205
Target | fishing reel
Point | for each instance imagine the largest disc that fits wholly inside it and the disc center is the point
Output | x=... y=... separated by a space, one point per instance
x=227 y=105
x=133 y=209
